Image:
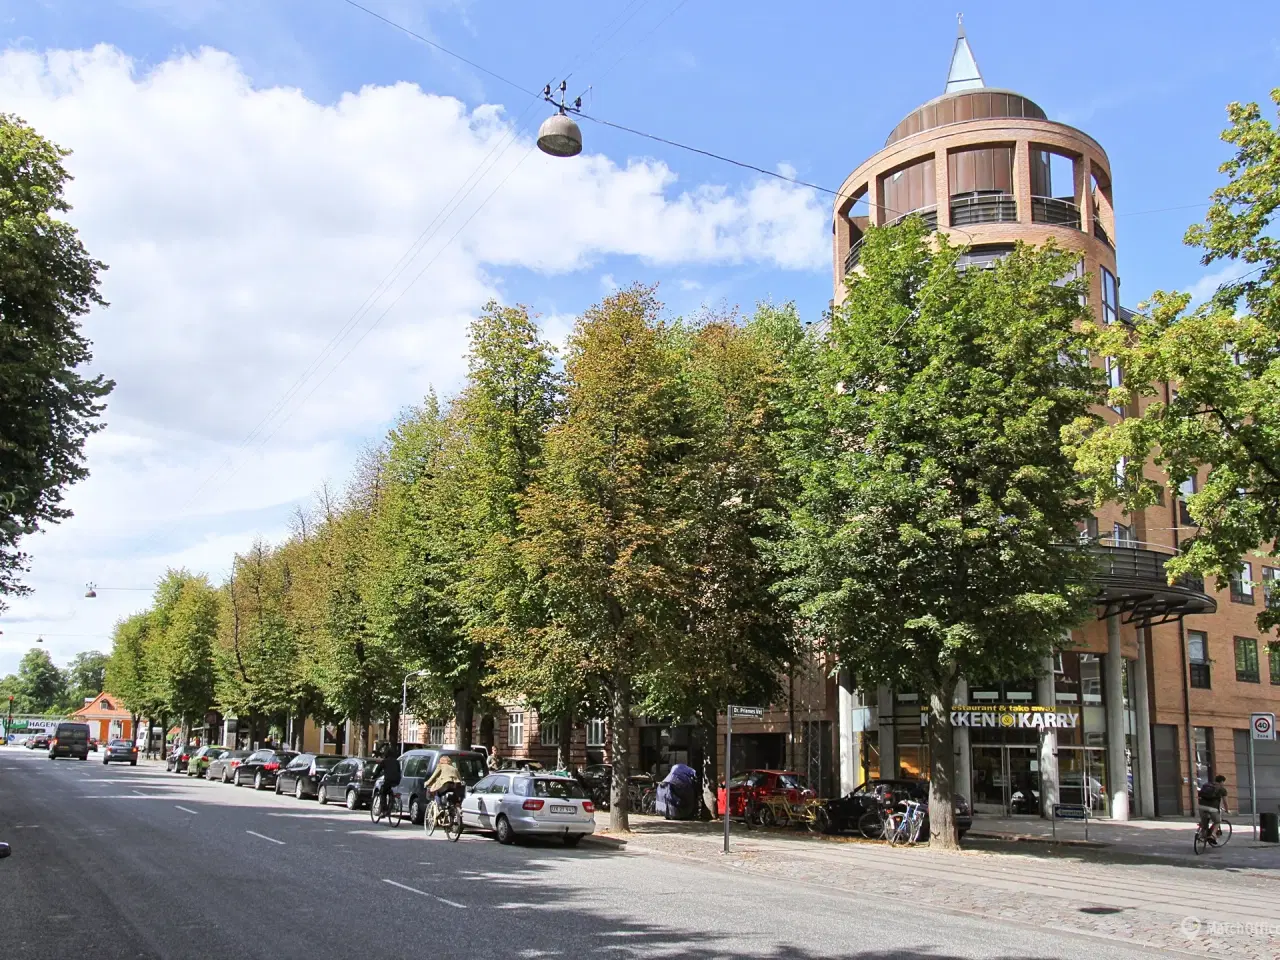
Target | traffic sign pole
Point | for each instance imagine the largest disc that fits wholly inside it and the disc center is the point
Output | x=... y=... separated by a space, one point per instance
x=728 y=752
x=1253 y=792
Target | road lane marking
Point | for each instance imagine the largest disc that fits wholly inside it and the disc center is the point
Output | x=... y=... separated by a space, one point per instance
x=263 y=837
x=423 y=893
x=184 y=809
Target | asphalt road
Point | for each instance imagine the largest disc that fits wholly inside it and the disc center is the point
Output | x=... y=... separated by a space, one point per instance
x=119 y=862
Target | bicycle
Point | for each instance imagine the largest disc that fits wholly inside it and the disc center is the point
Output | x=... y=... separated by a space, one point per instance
x=878 y=824
x=448 y=816
x=907 y=826
x=773 y=810
x=812 y=814
x=1203 y=840
x=394 y=811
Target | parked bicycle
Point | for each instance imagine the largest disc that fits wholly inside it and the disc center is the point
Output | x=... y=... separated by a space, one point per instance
x=907 y=825
x=1207 y=837
x=811 y=814
x=878 y=824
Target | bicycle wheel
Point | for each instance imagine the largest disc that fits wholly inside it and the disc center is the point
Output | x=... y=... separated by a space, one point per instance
x=871 y=825
x=395 y=811
x=766 y=817
x=1226 y=833
x=1199 y=844
x=916 y=823
x=375 y=808
x=429 y=818
x=896 y=829
x=649 y=801
x=819 y=821
x=454 y=829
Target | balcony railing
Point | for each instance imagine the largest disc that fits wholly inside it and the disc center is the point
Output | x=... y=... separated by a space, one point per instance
x=1052 y=210
x=1100 y=232
x=928 y=214
x=1131 y=580
x=983 y=208
x=853 y=256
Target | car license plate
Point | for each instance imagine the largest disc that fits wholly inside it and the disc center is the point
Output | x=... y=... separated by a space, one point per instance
x=563 y=808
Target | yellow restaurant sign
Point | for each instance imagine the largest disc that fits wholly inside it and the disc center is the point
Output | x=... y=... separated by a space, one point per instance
x=1010 y=716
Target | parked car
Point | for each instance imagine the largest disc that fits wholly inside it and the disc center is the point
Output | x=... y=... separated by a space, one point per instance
x=70 y=740
x=525 y=802
x=847 y=812
x=120 y=751
x=302 y=776
x=198 y=765
x=39 y=742
x=262 y=767
x=350 y=781
x=417 y=765
x=224 y=767
x=178 y=758
x=754 y=785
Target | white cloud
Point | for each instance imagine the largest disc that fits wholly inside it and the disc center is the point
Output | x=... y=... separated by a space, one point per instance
x=1208 y=285
x=244 y=228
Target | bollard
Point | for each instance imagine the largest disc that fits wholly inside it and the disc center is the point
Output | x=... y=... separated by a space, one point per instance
x=1269 y=828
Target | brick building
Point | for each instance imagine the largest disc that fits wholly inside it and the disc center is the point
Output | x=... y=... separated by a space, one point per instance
x=1156 y=694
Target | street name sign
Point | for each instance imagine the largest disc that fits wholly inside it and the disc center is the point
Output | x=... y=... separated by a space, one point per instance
x=1070 y=811
x=746 y=713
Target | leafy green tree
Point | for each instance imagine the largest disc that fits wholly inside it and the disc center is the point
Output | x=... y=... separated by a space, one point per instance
x=736 y=632
x=1207 y=379
x=41 y=686
x=933 y=492
x=47 y=281
x=128 y=670
x=601 y=522
x=184 y=621
x=86 y=677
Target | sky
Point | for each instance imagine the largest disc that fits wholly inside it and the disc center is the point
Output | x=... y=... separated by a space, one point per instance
x=302 y=206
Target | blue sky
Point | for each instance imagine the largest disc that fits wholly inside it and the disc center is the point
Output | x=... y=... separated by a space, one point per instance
x=245 y=224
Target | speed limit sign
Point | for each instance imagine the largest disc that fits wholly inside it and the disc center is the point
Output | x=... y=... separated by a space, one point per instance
x=1263 y=726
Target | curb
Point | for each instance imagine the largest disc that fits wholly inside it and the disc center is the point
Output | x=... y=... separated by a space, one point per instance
x=611 y=842
x=1032 y=838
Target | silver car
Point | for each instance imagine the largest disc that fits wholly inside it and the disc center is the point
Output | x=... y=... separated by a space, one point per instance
x=514 y=803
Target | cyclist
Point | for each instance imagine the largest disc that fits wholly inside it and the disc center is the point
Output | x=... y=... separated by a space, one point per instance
x=1213 y=797
x=389 y=772
x=444 y=781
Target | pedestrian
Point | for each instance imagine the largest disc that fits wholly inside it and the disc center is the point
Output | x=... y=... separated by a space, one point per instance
x=1213 y=803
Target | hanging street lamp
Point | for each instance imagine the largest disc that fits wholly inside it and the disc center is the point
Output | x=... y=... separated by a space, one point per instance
x=559 y=135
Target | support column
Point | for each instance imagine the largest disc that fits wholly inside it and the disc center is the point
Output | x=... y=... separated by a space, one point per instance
x=1144 y=774
x=851 y=724
x=1113 y=699
x=888 y=750
x=963 y=746
x=1048 y=740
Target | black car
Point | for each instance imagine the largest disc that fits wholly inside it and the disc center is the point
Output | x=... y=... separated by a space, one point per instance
x=351 y=781
x=417 y=765
x=860 y=810
x=262 y=767
x=178 y=758
x=302 y=776
x=121 y=751
x=70 y=740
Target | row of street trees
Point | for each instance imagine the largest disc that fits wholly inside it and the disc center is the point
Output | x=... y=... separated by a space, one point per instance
x=662 y=520
x=40 y=686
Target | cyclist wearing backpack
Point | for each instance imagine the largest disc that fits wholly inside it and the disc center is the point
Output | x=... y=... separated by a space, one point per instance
x=1213 y=798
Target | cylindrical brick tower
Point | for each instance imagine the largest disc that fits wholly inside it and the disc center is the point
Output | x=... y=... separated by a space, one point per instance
x=986 y=165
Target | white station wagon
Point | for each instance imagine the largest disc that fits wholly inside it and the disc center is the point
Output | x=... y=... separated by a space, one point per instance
x=513 y=803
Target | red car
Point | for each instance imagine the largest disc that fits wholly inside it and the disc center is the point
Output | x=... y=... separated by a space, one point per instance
x=755 y=784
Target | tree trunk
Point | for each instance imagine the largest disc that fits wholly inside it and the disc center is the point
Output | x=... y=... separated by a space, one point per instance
x=564 y=743
x=620 y=752
x=394 y=735
x=942 y=763
x=709 y=731
x=363 y=748
x=164 y=736
x=464 y=711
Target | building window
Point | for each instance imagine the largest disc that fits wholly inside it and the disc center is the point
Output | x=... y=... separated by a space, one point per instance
x=548 y=732
x=1202 y=737
x=1110 y=296
x=1115 y=379
x=1123 y=535
x=1273 y=654
x=1185 y=489
x=435 y=732
x=1246 y=660
x=1271 y=586
x=1242 y=584
x=1122 y=471
x=515 y=728
x=595 y=733
x=1198 y=654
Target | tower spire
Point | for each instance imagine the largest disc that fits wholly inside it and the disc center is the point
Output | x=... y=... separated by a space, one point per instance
x=964 y=73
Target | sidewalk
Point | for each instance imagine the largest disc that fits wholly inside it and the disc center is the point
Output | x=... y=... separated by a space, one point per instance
x=1202 y=906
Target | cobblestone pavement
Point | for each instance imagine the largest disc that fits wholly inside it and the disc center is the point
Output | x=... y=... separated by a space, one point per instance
x=1190 y=908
